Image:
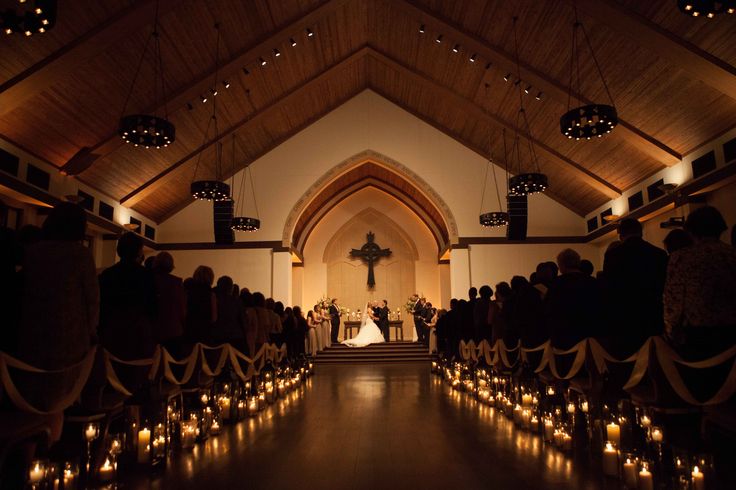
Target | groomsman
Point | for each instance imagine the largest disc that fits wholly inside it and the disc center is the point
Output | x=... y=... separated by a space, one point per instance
x=334 y=320
x=383 y=322
x=418 y=312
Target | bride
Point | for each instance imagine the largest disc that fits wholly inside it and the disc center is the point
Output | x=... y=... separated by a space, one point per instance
x=369 y=332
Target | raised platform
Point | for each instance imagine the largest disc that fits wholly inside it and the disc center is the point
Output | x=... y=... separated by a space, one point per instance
x=387 y=352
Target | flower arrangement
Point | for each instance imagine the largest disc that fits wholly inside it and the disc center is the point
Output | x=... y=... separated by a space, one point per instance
x=325 y=301
x=409 y=305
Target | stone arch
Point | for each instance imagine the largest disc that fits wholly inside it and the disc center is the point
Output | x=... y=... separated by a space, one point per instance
x=370 y=168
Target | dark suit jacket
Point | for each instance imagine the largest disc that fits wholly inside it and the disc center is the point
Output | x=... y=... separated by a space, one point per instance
x=334 y=314
x=383 y=318
x=572 y=309
x=634 y=275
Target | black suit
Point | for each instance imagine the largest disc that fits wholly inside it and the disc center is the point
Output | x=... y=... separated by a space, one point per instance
x=383 y=322
x=418 y=312
x=633 y=281
x=335 y=321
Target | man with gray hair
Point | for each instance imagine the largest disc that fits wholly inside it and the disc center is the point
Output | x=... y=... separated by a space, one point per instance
x=572 y=303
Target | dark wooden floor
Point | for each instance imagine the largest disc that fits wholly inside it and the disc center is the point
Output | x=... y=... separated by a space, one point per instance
x=373 y=427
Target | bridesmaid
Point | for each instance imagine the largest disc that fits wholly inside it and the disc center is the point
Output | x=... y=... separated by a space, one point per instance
x=313 y=336
x=326 y=327
x=317 y=318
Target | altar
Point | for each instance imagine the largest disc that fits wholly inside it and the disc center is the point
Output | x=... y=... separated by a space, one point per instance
x=395 y=328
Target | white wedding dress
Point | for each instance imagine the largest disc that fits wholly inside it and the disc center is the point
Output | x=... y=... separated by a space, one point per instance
x=369 y=333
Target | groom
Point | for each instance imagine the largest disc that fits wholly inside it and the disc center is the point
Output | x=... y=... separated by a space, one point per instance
x=383 y=322
x=334 y=320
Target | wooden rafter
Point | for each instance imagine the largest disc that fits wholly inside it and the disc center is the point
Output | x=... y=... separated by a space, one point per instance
x=233 y=65
x=59 y=64
x=469 y=107
x=627 y=131
x=700 y=64
x=252 y=119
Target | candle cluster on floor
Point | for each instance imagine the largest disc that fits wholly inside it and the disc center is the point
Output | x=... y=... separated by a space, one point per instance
x=624 y=441
x=152 y=430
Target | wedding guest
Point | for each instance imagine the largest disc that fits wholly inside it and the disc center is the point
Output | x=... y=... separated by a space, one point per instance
x=236 y=290
x=572 y=303
x=676 y=240
x=201 y=305
x=700 y=291
x=443 y=330
x=60 y=300
x=586 y=267
x=264 y=320
x=546 y=274
x=634 y=280
x=148 y=263
x=527 y=313
x=171 y=304
x=252 y=328
x=300 y=331
x=499 y=314
x=128 y=303
x=230 y=324
x=288 y=323
x=480 y=314
x=274 y=333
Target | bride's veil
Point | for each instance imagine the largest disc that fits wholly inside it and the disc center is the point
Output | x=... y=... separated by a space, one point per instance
x=364 y=316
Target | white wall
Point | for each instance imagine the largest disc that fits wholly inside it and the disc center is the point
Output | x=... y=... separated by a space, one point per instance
x=369 y=121
x=491 y=264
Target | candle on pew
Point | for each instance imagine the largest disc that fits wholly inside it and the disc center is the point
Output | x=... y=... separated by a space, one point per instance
x=698 y=479
x=630 y=473
x=646 y=479
x=144 y=445
x=613 y=431
x=107 y=471
x=610 y=460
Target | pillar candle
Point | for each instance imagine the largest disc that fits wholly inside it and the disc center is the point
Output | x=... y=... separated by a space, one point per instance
x=37 y=473
x=610 y=460
x=144 y=447
x=646 y=479
x=225 y=407
x=549 y=430
x=566 y=441
x=657 y=435
x=526 y=399
x=698 y=479
x=107 y=470
x=526 y=417
x=90 y=432
x=630 y=474
x=645 y=421
x=613 y=432
x=571 y=408
x=584 y=407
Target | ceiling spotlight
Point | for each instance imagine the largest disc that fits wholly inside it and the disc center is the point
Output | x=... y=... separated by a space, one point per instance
x=213 y=91
x=507 y=77
x=421 y=29
x=439 y=39
x=456 y=48
x=539 y=96
x=276 y=52
x=473 y=57
x=293 y=43
x=203 y=98
x=262 y=61
x=246 y=71
x=309 y=32
x=226 y=84
x=528 y=89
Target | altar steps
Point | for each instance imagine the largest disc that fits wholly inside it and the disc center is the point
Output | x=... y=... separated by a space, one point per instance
x=388 y=352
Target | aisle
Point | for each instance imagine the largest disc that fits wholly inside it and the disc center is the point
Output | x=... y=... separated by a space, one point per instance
x=369 y=427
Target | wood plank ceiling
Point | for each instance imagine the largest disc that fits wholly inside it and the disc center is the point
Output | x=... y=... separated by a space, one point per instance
x=64 y=91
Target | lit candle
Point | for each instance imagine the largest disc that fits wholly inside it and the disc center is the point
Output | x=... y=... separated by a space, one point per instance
x=38 y=471
x=630 y=474
x=517 y=414
x=526 y=399
x=613 y=432
x=646 y=479
x=584 y=407
x=144 y=445
x=534 y=423
x=549 y=430
x=645 y=421
x=90 y=433
x=570 y=408
x=526 y=416
x=657 y=435
x=253 y=405
x=610 y=460
x=225 y=407
x=188 y=433
x=566 y=441
x=698 y=479
x=107 y=470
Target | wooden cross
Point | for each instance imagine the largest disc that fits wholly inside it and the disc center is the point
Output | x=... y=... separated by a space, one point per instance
x=370 y=253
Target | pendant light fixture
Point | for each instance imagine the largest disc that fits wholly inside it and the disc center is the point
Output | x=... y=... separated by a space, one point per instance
x=29 y=17
x=149 y=130
x=589 y=120
x=215 y=189
x=494 y=218
x=241 y=222
x=525 y=183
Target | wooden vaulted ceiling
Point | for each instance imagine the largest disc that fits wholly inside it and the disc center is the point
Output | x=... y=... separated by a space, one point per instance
x=672 y=78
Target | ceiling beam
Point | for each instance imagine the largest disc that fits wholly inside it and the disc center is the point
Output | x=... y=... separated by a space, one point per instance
x=204 y=82
x=697 y=62
x=469 y=107
x=261 y=114
x=58 y=65
x=552 y=88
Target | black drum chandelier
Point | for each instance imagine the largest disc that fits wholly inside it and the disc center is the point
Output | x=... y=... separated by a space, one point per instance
x=30 y=17
x=587 y=120
x=498 y=218
x=212 y=189
x=524 y=182
x=706 y=8
x=149 y=130
x=240 y=221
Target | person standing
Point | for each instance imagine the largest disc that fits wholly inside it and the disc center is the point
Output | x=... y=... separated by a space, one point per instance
x=419 y=311
x=383 y=322
x=334 y=320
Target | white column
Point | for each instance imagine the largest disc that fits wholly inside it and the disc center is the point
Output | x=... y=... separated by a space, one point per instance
x=281 y=277
x=459 y=272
